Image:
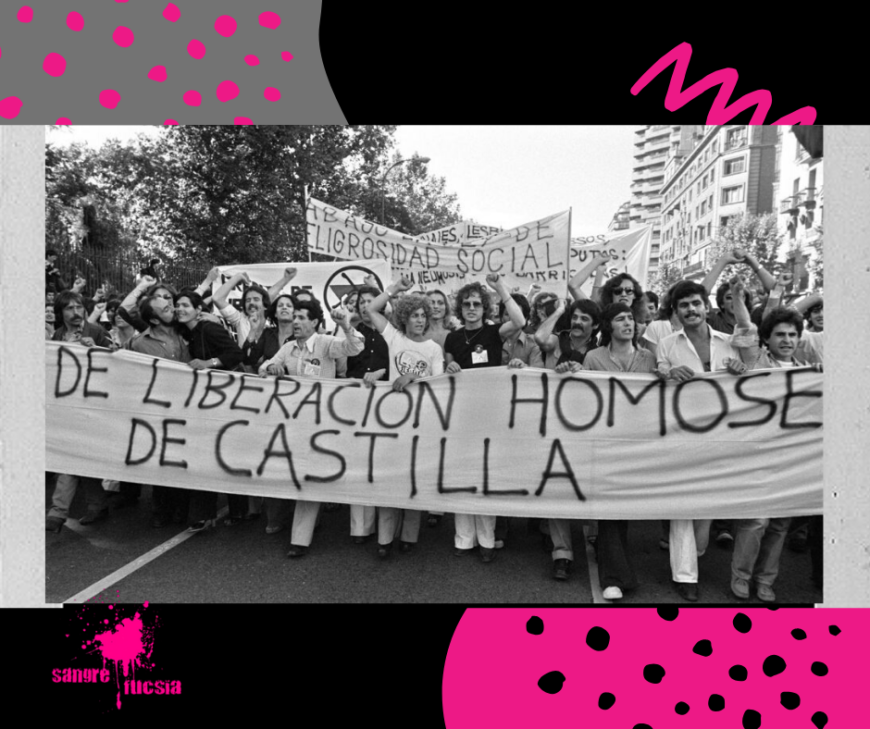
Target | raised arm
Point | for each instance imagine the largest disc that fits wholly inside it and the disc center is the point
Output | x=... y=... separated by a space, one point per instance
x=808 y=302
x=777 y=292
x=544 y=337
x=767 y=280
x=517 y=320
x=131 y=301
x=220 y=297
x=579 y=278
x=204 y=289
x=726 y=259
x=375 y=308
x=275 y=290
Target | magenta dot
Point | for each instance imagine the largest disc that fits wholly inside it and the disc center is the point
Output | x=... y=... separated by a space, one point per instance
x=286 y=55
x=272 y=94
x=252 y=60
x=270 y=19
x=109 y=98
x=171 y=122
x=25 y=15
x=158 y=74
x=9 y=107
x=106 y=622
x=192 y=98
x=123 y=36
x=225 y=25
x=75 y=21
x=84 y=647
x=54 y=64
x=63 y=120
x=196 y=48
x=242 y=120
x=227 y=91
x=171 y=13
x=120 y=1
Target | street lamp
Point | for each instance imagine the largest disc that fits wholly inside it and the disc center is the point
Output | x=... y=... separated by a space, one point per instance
x=384 y=179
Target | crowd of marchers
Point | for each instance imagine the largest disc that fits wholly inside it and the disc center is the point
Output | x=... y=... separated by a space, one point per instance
x=397 y=336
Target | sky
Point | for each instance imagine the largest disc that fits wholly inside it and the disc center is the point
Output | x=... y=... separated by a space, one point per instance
x=503 y=175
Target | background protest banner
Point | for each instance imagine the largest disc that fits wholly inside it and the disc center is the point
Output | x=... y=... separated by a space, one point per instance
x=463 y=233
x=327 y=282
x=512 y=442
x=536 y=251
x=628 y=251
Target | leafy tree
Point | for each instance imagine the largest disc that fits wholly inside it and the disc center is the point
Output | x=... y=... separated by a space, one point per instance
x=666 y=276
x=757 y=235
x=816 y=264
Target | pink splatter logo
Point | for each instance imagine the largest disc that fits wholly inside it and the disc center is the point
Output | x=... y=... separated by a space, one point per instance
x=192 y=98
x=270 y=19
x=65 y=121
x=252 y=60
x=109 y=98
x=272 y=94
x=75 y=21
x=10 y=107
x=196 y=48
x=54 y=64
x=227 y=91
x=123 y=36
x=25 y=14
x=242 y=120
x=171 y=123
x=158 y=73
x=225 y=25
x=171 y=13
x=286 y=55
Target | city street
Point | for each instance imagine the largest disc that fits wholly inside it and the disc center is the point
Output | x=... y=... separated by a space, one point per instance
x=242 y=564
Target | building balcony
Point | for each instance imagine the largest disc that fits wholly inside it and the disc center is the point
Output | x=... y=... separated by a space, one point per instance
x=790 y=205
x=809 y=197
x=693 y=268
x=736 y=142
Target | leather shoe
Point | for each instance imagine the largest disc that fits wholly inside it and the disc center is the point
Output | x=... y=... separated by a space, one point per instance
x=687 y=590
x=461 y=552
x=560 y=569
x=740 y=588
x=406 y=547
x=274 y=529
x=297 y=551
x=384 y=550
x=233 y=520
x=765 y=593
x=54 y=524
x=487 y=554
x=93 y=516
x=361 y=540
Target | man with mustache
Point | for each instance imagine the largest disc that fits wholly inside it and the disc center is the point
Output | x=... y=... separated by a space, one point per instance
x=69 y=309
x=250 y=322
x=576 y=335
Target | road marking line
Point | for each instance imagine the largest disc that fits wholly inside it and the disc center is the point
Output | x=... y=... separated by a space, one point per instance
x=597 y=596
x=131 y=567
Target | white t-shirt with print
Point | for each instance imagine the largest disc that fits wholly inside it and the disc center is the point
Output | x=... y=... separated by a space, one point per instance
x=424 y=359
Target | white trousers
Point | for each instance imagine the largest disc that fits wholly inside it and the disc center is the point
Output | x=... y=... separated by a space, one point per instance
x=304 y=521
x=403 y=522
x=474 y=528
x=688 y=540
x=362 y=520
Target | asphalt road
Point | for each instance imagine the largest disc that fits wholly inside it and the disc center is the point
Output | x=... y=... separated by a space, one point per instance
x=242 y=564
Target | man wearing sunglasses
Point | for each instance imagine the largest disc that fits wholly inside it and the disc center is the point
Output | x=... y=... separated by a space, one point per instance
x=479 y=344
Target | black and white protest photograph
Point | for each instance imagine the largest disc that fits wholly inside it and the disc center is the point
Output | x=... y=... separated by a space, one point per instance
x=565 y=365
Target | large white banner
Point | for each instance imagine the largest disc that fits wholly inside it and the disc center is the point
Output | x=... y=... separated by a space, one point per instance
x=463 y=233
x=495 y=441
x=536 y=251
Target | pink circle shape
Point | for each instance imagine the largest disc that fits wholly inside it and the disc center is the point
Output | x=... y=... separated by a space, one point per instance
x=252 y=60
x=9 y=107
x=227 y=91
x=109 y=98
x=225 y=25
x=158 y=74
x=196 y=48
x=54 y=64
x=75 y=21
x=123 y=36
x=171 y=13
x=192 y=98
x=286 y=55
x=171 y=122
x=243 y=120
x=270 y=19
x=272 y=94
x=63 y=120
x=25 y=15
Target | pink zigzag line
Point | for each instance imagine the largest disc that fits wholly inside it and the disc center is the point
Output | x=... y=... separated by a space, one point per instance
x=726 y=78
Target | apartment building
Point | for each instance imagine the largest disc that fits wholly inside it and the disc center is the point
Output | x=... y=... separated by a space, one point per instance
x=620 y=219
x=729 y=171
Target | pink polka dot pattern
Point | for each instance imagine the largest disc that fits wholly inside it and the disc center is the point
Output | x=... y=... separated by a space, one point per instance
x=171 y=123
x=227 y=91
x=75 y=21
x=651 y=669
x=225 y=25
x=63 y=120
x=123 y=36
x=242 y=120
x=54 y=64
x=9 y=107
x=25 y=14
x=158 y=73
x=192 y=98
x=252 y=60
x=196 y=48
x=286 y=55
x=109 y=98
x=171 y=13
x=272 y=94
x=270 y=19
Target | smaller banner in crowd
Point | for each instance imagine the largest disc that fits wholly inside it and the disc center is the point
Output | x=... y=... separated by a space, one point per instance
x=627 y=251
x=537 y=251
x=496 y=441
x=327 y=282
